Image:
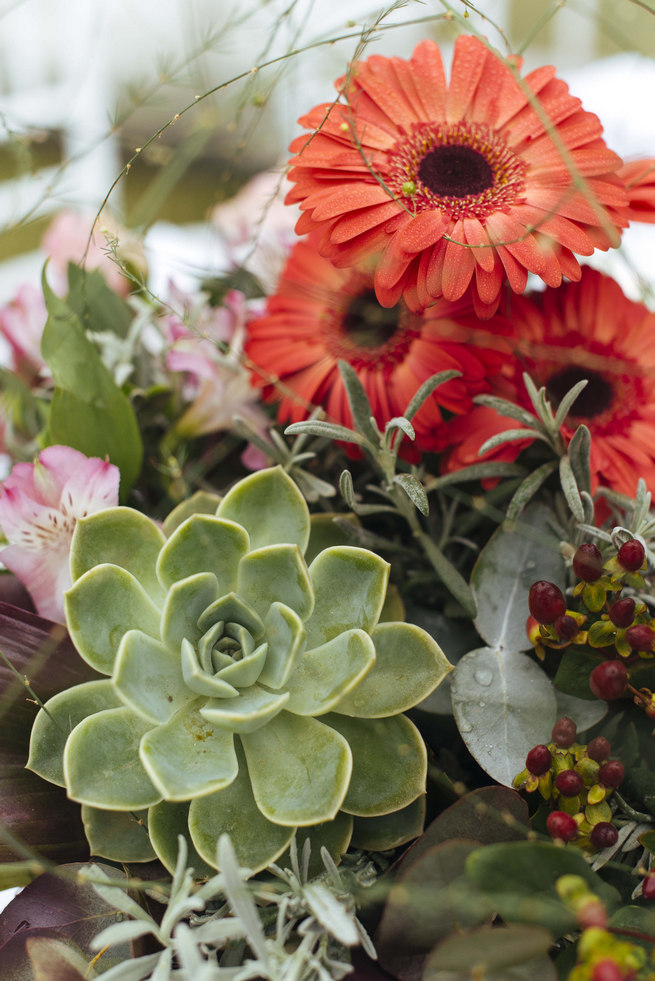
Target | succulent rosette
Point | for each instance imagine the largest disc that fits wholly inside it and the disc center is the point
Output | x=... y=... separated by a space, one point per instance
x=245 y=693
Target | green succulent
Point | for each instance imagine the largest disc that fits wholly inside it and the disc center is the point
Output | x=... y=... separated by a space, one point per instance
x=246 y=693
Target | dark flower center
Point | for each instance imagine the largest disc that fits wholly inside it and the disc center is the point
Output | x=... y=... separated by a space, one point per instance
x=455 y=171
x=594 y=399
x=367 y=324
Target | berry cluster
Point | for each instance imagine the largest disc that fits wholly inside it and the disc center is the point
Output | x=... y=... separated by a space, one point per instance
x=602 y=956
x=578 y=779
x=618 y=626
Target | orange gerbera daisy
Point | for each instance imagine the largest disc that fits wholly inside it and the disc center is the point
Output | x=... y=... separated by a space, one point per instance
x=456 y=185
x=639 y=179
x=320 y=314
x=586 y=330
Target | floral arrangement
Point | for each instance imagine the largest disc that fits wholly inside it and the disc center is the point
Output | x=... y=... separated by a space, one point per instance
x=327 y=633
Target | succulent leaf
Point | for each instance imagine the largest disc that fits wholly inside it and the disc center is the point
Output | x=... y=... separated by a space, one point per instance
x=409 y=665
x=185 y=603
x=257 y=841
x=276 y=573
x=203 y=543
x=118 y=835
x=253 y=708
x=122 y=537
x=188 y=756
x=54 y=724
x=350 y=585
x=101 y=606
x=166 y=822
x=323 y=676
x=389 y=763
x=285 y=634
x=148 y=677
x=299 y=769
x=248 y=503
x=102 y=765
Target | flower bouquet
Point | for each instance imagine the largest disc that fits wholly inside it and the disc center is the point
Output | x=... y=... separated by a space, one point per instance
x=326 y=642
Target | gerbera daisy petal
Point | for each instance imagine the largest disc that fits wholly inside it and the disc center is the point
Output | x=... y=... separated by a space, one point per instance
x=468 y=64
x=586 y=330
x=638 y=177
x=321 y=314
x=473 y=153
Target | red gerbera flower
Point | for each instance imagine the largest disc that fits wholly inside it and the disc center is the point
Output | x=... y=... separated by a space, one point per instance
x=586 y=330
x=639 y=179
x=320 y=314
x=456 y=185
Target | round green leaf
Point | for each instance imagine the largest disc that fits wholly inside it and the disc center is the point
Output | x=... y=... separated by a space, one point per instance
x=270 y=507
x=188 y=756
x=101 y=607
x=350 y=586
x=203 y=543
x=299 y=769
x=409 y=665
x=389 y=763
x=119 y=536
x=101 y=762
x=322 y=677
x=504 y=705
x=54 y=724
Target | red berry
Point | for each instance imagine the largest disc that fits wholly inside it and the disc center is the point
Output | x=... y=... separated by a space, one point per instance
x=609 y=680
x=622 y=613
x=599 y=749
x=606 y=970
x=648 y=886
x=564 y=732
x=569 y=783
x=631 y=555
x=539 y=760
x=588 y=563
x=611 y=774
x=546 y=601
x=640 y=637
x=566 y=628
x=561 y=825
x=603 y=834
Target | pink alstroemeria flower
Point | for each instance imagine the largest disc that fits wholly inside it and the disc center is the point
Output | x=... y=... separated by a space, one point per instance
x=217 y=384
x=21 y=324
x=39 y=505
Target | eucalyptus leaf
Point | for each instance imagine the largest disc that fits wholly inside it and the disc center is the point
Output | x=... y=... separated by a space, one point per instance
x=584 y=713
x=570 y=488
x=516 y=555
x=414 y=490
x=504 y=705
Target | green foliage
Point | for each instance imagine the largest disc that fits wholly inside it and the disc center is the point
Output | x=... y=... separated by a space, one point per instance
x=88 y=410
